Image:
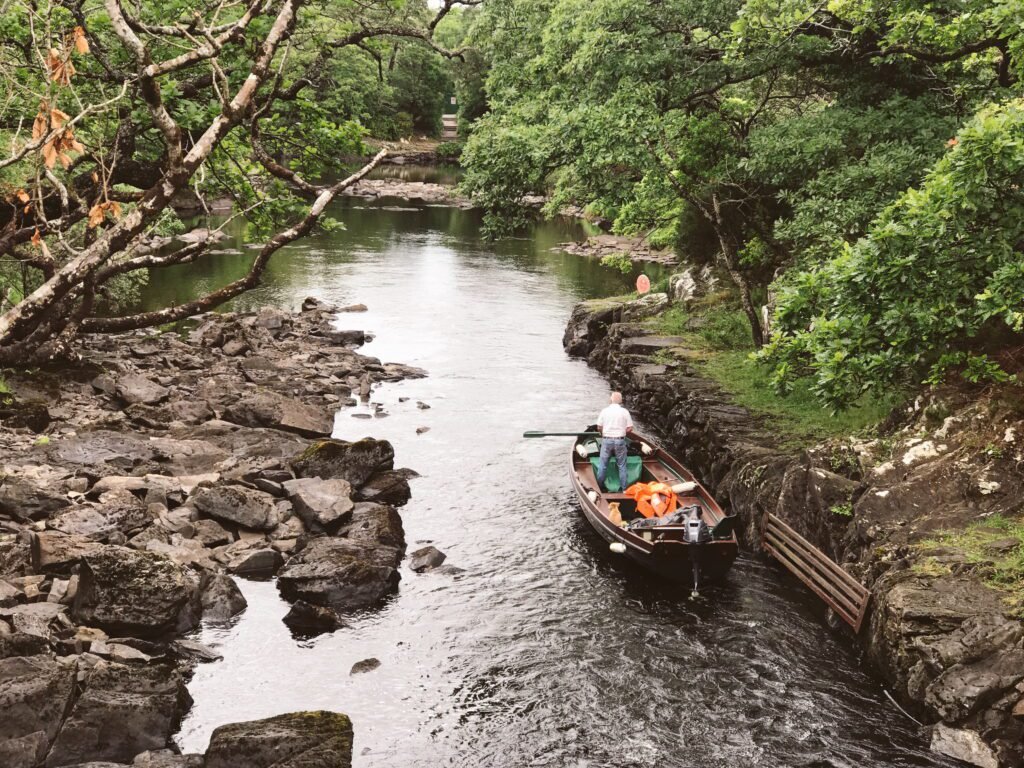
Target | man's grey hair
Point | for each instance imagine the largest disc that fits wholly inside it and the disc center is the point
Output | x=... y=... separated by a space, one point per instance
x=615 y=398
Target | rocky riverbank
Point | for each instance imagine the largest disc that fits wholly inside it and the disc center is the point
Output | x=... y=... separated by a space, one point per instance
x=136 y=485
x=948 y=644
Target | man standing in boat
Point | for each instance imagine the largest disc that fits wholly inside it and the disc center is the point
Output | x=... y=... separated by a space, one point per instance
x=615 y=424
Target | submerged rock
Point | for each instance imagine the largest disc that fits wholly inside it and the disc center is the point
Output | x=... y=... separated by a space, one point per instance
x=298 y=740
x=426 y=558
x=313 y=619
x=366 y=665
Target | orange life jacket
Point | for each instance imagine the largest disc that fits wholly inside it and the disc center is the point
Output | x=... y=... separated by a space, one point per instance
x=653 y=499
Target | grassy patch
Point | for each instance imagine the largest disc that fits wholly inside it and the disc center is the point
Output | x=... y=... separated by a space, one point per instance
x=718 y=337
x=798 y=416
x=997 y=546
x=4 y=388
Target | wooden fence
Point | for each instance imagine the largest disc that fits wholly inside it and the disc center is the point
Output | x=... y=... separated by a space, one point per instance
x=843 y=593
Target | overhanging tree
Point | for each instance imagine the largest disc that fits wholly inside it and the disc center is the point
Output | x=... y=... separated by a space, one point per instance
x=113 y=115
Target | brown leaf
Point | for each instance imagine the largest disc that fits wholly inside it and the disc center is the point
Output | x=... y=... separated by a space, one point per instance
x=22 y=195
x=80 y=41
x=58 y=118
x=96 y=214
x=61 y=70
x=40 y=125
x=115 y=209
x=50 y=153
x=36 y=238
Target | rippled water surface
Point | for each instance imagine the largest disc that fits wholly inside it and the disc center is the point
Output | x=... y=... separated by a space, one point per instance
x=546 y=651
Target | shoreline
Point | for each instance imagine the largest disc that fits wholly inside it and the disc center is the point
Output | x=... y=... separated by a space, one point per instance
x=942 y=639
x=136 y=486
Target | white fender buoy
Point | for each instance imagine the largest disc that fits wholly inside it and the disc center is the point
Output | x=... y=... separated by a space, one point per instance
x=646 y=449
x=680 y=488
x=581 y=451
x=592 y=495
x=617 y=547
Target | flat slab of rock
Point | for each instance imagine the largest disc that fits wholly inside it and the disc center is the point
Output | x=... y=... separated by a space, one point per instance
x=246 y=507
x=138 y=389
x=298 y=740
x=341 y=574
x=322 y=505
x=54 y=552
x=269 y=409
x=122 y=711
x=126 y=592
x=376 y=524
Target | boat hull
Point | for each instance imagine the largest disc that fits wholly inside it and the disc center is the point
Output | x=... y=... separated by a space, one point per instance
x=659 y=551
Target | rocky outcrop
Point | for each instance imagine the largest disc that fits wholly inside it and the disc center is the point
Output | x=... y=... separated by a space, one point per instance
x=170 y=465
x=944 y=640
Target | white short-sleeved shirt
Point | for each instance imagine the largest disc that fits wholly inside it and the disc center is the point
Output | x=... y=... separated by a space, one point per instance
x=614 y=421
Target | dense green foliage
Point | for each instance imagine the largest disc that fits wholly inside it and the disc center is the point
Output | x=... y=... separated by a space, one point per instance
x=854 y=165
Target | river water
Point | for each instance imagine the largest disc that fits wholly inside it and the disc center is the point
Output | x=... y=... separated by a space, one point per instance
x=546 y=651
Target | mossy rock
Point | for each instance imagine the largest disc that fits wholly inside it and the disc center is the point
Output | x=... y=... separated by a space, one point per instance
x=318 y=739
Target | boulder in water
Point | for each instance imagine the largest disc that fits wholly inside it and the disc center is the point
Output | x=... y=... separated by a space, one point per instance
x=323 y=505
x=342 y=574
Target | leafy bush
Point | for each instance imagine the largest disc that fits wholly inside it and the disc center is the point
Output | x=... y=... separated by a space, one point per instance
x=619 y=261
x=449 y=151
x=940 y=270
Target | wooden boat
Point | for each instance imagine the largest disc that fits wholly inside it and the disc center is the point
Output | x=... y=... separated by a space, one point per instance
x=662 y=548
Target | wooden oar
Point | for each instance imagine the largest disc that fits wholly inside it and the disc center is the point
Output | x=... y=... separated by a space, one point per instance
x=538 y=433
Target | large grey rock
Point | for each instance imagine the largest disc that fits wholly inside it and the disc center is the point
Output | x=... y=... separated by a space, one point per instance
x=322 y=505
x=126 y=592
x=222 y=599
x=269 y=409
x=337 y=459
x=246 y=507
x=122 y=711
x=138 y=389
x=35 y=692
x=165 y=758
x=341 y=574
x=309 y=619
x=211 y=533
x=298 y=740
x=965 y=688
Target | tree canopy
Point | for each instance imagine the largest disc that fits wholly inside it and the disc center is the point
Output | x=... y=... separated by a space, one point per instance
x=853 y=165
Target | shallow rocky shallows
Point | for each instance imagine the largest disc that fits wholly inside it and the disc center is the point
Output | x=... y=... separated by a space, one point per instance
x=135 y=485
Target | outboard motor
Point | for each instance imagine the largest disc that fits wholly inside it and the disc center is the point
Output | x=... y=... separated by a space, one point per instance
x=696 y=534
